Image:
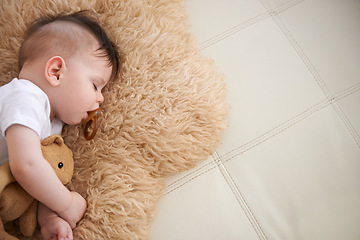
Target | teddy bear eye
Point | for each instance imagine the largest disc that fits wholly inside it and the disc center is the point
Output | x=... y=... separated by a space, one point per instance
x=60 y=165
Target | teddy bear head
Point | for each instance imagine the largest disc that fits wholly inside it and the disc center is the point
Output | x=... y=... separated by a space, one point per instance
x=59 y=156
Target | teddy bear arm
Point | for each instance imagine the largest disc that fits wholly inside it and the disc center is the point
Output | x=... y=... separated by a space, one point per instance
x=27 y=221
x=14 y=201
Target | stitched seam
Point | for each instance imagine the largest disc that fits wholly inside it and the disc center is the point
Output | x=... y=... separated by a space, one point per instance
x=289 y=123
x=250 y=143
x=343 y=94
x=313 y=71
x=179 y=184
x=347 y=123
x=297 y=48
x=221 y=36
x=193 y=172
x=301 y=118
x=262 y=138
x=352 y=130
x=232 y=31
x=241 y=200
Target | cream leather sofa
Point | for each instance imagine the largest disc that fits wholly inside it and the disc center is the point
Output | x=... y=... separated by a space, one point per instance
x=289 y=163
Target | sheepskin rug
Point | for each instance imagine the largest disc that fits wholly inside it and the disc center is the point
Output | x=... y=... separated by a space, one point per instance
x=164 y=113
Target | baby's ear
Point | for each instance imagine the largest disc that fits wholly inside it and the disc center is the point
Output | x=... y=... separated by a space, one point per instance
x=55 y=66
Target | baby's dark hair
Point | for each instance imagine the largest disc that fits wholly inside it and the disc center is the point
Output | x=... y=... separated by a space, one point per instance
x=44 y=34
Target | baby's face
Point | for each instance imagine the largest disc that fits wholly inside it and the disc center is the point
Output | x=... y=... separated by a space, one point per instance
x=84 y=78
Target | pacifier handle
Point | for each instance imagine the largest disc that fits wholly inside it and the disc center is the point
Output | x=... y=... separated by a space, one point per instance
x=87 y=122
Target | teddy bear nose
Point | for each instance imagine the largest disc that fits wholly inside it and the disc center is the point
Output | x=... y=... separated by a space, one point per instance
x=60 y=165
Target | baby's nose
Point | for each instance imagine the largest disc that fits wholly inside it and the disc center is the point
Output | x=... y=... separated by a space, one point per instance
x=100 y=98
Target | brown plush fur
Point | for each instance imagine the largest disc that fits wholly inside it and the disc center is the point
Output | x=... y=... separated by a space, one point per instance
x=163 y=114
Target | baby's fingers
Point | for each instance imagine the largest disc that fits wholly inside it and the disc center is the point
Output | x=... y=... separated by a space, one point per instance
x=65 y=233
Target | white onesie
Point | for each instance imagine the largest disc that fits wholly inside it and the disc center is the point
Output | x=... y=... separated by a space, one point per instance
x=22 y=102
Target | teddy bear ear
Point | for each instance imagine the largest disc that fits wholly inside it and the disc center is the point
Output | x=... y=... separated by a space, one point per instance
x=53 y=139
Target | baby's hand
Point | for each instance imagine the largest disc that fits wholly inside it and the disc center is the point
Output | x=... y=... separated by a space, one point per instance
x=75 y=211
x=56 y=228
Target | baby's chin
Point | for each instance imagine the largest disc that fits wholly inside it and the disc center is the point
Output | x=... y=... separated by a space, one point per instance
x=73 y=121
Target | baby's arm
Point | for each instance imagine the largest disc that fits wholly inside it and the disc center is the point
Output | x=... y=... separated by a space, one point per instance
x=53 y=226
x=37 y=177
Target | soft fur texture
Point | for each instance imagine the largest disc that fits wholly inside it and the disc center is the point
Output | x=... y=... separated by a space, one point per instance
x=164 y=113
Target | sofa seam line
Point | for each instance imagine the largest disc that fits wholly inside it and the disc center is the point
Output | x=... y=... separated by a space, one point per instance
x=298 y=49
x=232 y=31
x=317 y=77
x=263 y=138
x=347 y=123
x=239 y=197
x=194 y=172
x=328 y=103
x=304 y=114
x=182 y=183
x=247 y=23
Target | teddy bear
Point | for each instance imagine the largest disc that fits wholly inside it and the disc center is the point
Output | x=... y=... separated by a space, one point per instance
x=15 y=203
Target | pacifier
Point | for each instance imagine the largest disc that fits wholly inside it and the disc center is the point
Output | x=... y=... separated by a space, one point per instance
x=88 y=123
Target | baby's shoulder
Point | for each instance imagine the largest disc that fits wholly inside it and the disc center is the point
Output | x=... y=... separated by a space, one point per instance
x=21 y=89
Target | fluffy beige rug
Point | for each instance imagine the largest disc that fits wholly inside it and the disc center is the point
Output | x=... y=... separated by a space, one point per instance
x=166 y=112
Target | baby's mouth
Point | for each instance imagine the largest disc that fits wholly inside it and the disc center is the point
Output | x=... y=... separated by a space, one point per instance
x=88 y=123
